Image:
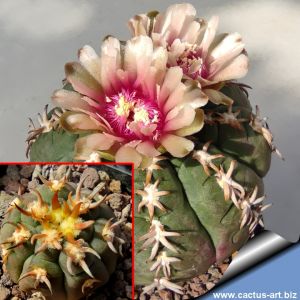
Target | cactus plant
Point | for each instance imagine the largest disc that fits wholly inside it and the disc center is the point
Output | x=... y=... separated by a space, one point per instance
x=168 y=100
x=210 y=201
x=60 y=239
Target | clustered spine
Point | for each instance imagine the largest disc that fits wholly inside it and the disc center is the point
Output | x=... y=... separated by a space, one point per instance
x=46 y=123
x=250 y=206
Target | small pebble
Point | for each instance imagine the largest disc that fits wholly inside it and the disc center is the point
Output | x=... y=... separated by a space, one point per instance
x=4 y=293
x=176 y=297
x=115 y=201
x=142 y=297
x=223 y=268
x=128 y=289
x=14 y=186
x=127 y=264
x=33 y=184
x=13 y=172
x=118 y=214
x=119 y=275
x=5 y=180
x=154 y=297
x=115 y=186
x=103 y=176
x=24 y=182
x=91 y=178
x=6 y=281
x=203 y=277
x=27 y=170
x=126 y=211
x=209 y=285
x=165 y=295
x=215 y=273
x=119 y=285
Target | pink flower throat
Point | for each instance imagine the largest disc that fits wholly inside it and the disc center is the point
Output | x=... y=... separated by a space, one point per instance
x=133 y=116
x=192 y=64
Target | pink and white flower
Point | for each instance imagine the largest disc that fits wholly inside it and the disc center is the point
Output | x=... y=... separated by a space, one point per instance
x=130 y=104
x=193 y=45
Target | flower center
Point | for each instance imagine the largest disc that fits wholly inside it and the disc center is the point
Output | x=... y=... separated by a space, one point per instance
x=192 y=63
x=133 y=116
x=123 y=106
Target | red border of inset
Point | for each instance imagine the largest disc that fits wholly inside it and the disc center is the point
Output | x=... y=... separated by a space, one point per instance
x=99 y=164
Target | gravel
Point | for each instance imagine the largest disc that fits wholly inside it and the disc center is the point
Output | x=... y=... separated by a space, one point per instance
x=191 y=289
x=17 y=177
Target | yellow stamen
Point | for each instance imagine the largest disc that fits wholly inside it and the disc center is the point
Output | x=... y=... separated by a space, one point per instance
x=67 y=226
x=141 y=115
x=124 y=107
x=58 y=216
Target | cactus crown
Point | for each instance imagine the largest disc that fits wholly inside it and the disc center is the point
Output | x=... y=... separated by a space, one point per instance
x=58 y=236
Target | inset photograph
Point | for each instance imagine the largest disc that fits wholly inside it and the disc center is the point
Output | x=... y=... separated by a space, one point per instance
x=66 y=231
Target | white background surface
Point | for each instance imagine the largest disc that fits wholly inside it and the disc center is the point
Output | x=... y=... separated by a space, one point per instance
x=37 y=37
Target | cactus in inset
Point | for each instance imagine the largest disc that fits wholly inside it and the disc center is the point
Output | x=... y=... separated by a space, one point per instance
x=59 y=240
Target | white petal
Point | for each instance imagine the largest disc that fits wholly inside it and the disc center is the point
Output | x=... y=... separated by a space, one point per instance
x=110 y=63
x=176 y=97
x=85 y=146
x=138 y=57
x=91 y=61
x=191 y=33
x=171 y=23
x=128 y=154
x=194 y=96
x=184 y=118
x=74 y=121
x=172 y=80
x=149 y=85
x=70 y=100
x=177 y=146
x=83 y=82
x=196 y=125
x=238 y=68
x=175 y=51
x=147 y=148
x=222 y=61
x=110 y=50
x=139 y=25
x=209 y=35
x=160 y=59
x=226 y=45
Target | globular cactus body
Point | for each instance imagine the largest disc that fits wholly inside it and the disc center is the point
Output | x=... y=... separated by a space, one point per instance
x=211 y=227
x=54 y=240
